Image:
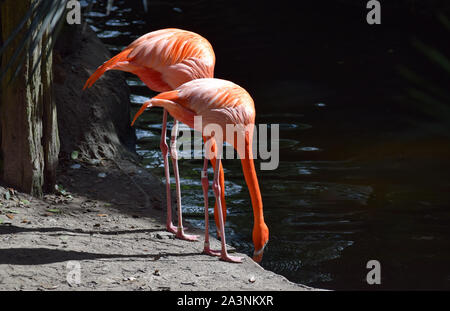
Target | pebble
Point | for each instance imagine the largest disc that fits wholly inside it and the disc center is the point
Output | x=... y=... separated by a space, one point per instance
x=162 y=236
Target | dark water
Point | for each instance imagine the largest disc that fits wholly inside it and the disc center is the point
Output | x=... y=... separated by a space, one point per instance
x=364 y=170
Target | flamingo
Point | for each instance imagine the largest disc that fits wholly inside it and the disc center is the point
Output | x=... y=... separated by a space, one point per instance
x=165 y=59
x=219 y=102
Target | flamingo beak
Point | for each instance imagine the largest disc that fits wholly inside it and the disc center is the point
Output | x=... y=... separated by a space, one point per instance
x=258 y=254
x=257 y=258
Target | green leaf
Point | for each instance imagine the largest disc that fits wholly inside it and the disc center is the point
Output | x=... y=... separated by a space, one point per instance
x=444 y=20
x=60 y=189
x=74 y=155
x=54 y=210
x=432 y=54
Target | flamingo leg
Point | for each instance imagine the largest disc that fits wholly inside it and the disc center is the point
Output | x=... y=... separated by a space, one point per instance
x=165 y=152
x=173 y=153
x=222 y=185
x=205 y=184
x=217 y=191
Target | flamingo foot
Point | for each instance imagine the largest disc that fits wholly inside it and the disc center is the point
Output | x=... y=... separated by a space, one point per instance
x=228 y=258
x=187 y=237
x=171 y=228
x=211 y=252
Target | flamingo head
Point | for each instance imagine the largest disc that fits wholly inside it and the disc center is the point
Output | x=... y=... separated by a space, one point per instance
x=260 y=240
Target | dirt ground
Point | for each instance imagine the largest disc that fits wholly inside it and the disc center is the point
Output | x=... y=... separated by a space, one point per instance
x=102 y=232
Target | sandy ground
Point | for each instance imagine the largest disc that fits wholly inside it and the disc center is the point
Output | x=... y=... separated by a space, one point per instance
x=105 y=234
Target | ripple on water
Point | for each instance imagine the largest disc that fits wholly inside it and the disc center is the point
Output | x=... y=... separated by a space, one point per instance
x=285 y=143
x=117 y=22
x=304 y=171
x=318 y=195
x=96 y=14
x=151 y=158
x=309 y=149
x=95 y=29
x=140 y=134
x=292 y=126
x=134 y=82
x=278 y=116
x=112 y=34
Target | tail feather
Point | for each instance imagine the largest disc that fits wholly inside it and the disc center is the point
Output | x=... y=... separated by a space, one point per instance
x=109 y=64
x=170 y=95
x=159 y=101
x=143 y=107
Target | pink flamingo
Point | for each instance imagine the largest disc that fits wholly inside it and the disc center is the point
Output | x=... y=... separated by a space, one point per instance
x=163 y=60
x=219 y=102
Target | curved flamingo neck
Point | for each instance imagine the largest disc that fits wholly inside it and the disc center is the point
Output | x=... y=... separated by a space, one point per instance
x=251 y=179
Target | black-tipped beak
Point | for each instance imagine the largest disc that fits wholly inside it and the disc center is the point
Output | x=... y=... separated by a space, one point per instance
x=258 y=257
x=258 y=254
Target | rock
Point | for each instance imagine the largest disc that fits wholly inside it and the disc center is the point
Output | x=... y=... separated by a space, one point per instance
x=95 y=121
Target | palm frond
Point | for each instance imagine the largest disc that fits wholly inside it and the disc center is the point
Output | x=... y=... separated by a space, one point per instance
x=432 y=54
x=429 y=96
x=44 y=18
x=35 y=9
x=53 y=24
x=43 y=15
x=444 y=21
x=18 y=28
